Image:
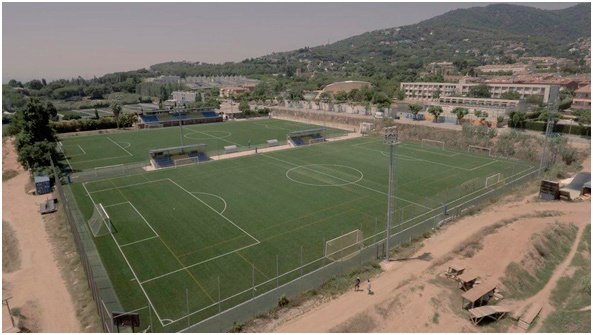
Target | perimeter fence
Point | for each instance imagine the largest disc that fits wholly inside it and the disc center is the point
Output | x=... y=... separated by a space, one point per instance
x=98 y=281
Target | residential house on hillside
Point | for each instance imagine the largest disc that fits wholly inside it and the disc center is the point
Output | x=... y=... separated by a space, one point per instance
x=582 y=98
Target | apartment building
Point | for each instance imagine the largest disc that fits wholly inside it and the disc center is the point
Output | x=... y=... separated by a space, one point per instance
x=434 y=91
x=182 y=97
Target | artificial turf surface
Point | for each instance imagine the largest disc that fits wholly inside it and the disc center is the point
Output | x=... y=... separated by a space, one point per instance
x=85 y=152
x=183 y=231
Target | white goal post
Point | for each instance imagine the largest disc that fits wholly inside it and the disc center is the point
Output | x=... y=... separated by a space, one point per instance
x=60 y=147
x=433 y=143
x=100 y=223
x=479 y=149
x=344 y=246
x=186 y=161
x=493 y=180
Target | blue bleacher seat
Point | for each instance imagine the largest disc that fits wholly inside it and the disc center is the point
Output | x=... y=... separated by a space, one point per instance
x=164 y=161
x=150 y=118
x=209 y=114
x=297 y=141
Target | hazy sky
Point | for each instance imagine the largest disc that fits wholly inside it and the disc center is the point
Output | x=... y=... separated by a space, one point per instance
x=64 y=40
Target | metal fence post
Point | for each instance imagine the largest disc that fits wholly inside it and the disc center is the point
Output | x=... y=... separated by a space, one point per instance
x=252 y=280
x=187 y=304
x=301 y=260
x=218 y=294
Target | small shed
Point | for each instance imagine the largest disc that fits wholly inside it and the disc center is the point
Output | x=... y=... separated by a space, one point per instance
x=478 y=296
x=42 y=185
x=467 y=280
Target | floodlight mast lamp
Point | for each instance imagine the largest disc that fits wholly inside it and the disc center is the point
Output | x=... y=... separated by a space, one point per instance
x=390 y=139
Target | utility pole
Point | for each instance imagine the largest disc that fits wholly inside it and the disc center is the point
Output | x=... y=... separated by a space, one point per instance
x=552 y=109
x=391 y=140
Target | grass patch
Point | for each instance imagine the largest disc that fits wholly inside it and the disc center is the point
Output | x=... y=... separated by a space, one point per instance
x=9 y=174
x=361 y=323
x=11 y=259
x=567 y=322
x=572 y=294
x=549 y=248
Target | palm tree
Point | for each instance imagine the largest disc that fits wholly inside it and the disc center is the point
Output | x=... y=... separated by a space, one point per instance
x=436 y=111
x=460 y=112
x=116 y=110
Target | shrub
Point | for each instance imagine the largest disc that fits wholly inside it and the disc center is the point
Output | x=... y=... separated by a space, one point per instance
x=283 y=301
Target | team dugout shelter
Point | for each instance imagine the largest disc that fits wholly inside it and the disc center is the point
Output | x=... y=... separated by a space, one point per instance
x=306 y=136
x=177 y=156
x=173 y=117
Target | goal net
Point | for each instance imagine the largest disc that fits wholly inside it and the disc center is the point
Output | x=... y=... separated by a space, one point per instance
x=479 y=150
x=100 y=223
x=433 y=143
x=344 y=246
x=60 y=147
x=493 y=180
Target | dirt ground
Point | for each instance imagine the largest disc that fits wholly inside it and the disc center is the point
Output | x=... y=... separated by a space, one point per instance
x=37 y=290
x=412 y=295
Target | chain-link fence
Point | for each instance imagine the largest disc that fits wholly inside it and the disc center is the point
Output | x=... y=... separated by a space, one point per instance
x=97 y=279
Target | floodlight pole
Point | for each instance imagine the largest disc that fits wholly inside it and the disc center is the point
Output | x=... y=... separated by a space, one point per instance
x=180 y=127
x=391 y=140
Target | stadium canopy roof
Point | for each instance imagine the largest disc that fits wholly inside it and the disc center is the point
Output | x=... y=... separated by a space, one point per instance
x=305 y=132
x=181 y=147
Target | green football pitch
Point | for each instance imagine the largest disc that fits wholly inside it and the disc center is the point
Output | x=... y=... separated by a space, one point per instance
x=106 y=150
x=190 y=237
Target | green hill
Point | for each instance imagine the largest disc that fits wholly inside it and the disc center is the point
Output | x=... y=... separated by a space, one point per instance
x=479 y=35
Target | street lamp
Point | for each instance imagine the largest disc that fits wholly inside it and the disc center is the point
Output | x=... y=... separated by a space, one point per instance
x=390 y=139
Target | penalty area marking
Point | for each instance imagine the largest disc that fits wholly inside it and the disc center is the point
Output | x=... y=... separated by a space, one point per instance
x=216 y=196
x=344 y=182
x=126 y=146
x=209 y=133
x=124 y=149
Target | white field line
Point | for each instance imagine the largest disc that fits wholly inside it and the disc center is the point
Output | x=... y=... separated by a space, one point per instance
x=214 y=210
x=84 y=152
x=139 y=241
x=142 y=216
x=123 y=186
x=217 y=196
x=129 y=265
x=198 y=263
x=124 y=149
x=68 y=161
x=214 y=137
x=343 y=180
x=118 y=204
x=107 y=166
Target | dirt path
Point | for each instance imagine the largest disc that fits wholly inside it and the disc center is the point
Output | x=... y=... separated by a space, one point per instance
x=37 y=288
x=425 y=306
x=543 y=296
